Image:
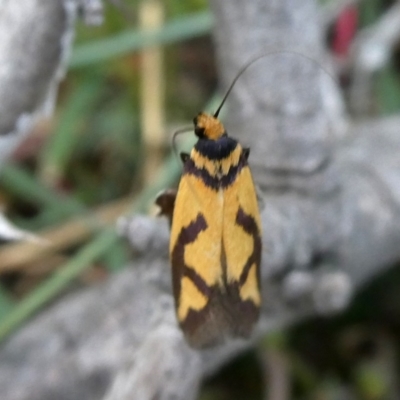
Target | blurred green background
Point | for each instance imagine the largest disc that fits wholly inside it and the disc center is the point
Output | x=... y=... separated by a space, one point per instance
x=76 y=173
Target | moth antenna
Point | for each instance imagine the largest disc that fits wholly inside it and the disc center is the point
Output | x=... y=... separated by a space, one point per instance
x=254 y=60
x=176 y=133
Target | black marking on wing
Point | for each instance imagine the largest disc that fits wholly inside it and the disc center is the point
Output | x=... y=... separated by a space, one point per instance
x=187 y=235
x=225 y=315
x=249 y=225
x=213 y=182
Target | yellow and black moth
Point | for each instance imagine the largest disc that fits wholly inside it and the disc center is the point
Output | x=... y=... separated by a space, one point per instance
x=215 y=244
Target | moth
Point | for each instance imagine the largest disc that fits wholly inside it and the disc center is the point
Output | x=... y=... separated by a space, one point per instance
x=215 y=243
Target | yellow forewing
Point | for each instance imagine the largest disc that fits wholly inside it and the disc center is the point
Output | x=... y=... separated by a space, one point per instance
x=192 y=298
x=238 y=243
x=204 y=254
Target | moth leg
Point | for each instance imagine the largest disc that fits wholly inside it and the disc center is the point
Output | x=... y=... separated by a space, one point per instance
x=166 y=201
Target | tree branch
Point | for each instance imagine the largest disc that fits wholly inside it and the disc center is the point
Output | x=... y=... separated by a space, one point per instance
x=35 y=41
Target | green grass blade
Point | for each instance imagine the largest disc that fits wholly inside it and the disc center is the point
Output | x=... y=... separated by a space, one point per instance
x=183 y=28
x=388 y=87
x=116 y=257
x=6 y=303
x=20 y=183
x=60 y=147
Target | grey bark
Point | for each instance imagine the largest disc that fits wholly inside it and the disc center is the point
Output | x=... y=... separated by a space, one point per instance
x=331 y=195
x=34 y=38
x=35 y=41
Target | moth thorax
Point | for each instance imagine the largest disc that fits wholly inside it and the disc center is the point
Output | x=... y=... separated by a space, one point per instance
x=207 y=126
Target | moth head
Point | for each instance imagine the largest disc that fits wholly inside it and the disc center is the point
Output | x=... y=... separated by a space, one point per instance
x=207 y=126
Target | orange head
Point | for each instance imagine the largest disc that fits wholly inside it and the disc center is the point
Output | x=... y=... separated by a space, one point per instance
x=207 y=126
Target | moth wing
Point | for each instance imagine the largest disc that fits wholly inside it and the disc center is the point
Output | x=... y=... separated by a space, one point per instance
x=215 y=251
x=195 y=251
x=242 y=248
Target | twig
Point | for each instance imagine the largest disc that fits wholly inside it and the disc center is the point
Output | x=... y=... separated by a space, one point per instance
x=278 y=382
x=19 y=255
x=152 y=90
